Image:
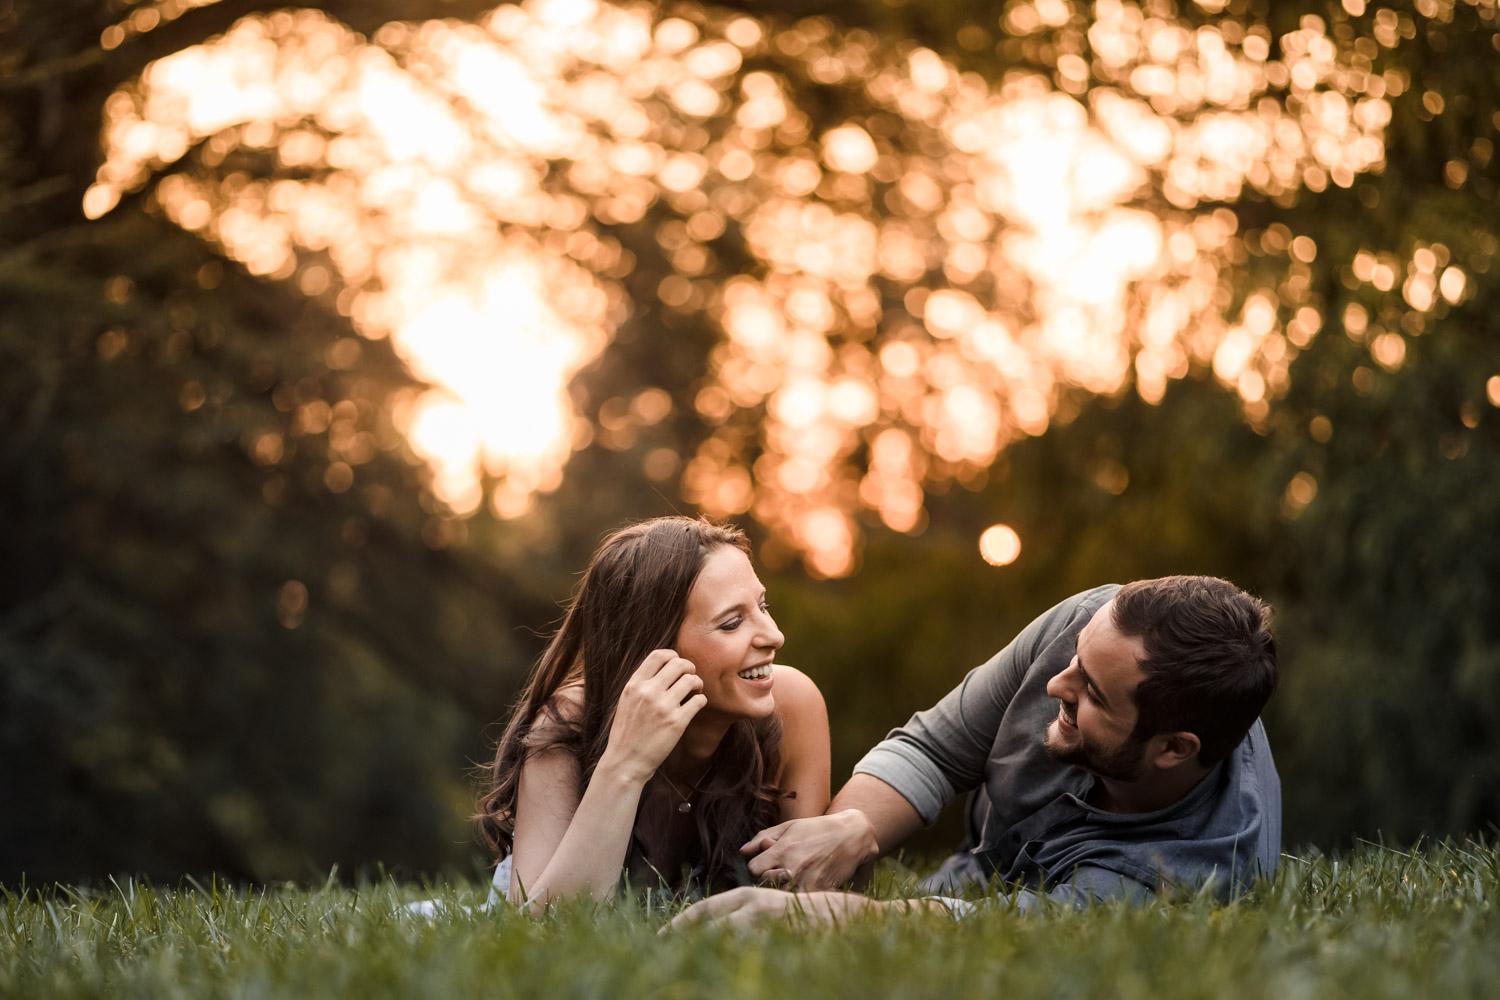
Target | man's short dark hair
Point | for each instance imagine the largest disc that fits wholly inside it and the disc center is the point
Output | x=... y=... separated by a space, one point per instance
x=1210 y=660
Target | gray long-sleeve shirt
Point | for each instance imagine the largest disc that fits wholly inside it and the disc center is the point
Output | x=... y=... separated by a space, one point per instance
x=1030 y=821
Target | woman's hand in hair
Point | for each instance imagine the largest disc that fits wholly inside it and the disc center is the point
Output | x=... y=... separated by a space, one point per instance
x=658 y=702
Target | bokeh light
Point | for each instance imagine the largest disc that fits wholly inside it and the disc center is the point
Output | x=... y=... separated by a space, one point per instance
x=901 y=292
x=1000 y=545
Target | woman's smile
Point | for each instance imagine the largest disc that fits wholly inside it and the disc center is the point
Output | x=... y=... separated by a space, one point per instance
x=760 y=675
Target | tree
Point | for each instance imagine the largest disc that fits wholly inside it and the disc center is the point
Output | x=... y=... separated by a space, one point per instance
x=236 y=632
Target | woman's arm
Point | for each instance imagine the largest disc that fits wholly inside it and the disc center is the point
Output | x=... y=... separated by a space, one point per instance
x=567 y=844
x=804 y=744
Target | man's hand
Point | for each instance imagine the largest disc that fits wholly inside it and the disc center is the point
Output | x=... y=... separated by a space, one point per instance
x=817 y=852
x=748 y=906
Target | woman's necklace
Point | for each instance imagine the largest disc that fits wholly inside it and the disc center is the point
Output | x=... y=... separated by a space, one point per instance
x=686 y=805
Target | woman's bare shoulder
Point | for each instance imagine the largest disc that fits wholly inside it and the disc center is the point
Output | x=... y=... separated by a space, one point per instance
x=805 y=744
x=797 y=695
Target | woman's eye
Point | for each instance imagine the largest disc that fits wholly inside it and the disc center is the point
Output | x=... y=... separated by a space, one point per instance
x=730 y=625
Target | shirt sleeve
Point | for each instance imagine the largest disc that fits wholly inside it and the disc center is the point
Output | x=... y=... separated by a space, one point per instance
x=941 y=753
x=1089 y=885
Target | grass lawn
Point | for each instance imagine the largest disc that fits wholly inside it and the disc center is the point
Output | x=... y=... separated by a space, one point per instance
x=1378 y=923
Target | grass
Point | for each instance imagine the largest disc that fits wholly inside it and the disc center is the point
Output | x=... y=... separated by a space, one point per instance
x=1377 y=923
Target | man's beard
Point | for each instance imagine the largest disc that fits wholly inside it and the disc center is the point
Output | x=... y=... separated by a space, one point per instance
x=1122 y=763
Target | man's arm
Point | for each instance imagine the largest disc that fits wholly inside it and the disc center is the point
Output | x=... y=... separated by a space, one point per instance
x=942 y=753
x=902 y=784
x=746 y=907
x=905 y=781
x=865 y=820
x=892 y=819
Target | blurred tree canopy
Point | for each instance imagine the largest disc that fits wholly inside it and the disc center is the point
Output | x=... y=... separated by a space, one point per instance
x=227 y=645
x=216 y=655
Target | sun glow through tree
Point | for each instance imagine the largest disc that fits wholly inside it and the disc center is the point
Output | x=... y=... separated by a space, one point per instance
x=927 y=277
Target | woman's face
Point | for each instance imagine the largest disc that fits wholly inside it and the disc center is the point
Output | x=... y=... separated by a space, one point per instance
x=729 y=635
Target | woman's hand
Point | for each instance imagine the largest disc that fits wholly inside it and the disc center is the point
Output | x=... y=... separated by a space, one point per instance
x=658 y=702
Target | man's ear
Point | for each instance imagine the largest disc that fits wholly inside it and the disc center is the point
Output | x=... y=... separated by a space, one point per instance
x=1177 y=749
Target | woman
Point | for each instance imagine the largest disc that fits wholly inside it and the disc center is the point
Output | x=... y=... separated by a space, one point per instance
x=655 y=735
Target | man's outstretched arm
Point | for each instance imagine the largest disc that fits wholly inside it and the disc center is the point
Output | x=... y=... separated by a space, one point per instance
x=866 y=819
x=747 y=906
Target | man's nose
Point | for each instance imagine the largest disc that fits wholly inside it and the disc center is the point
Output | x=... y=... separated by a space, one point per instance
x=1058 y=685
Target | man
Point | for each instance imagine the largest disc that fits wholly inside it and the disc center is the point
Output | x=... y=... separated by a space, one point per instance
x=1114 y=749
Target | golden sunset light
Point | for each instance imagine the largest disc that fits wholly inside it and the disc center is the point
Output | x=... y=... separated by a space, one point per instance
x=923 y=281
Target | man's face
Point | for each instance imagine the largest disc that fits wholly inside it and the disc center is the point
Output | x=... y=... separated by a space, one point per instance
x=1097 y=690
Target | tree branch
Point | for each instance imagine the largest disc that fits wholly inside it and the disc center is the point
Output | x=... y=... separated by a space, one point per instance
x=202 y=23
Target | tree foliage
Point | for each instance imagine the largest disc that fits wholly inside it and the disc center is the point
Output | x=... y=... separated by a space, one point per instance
x=215 y=654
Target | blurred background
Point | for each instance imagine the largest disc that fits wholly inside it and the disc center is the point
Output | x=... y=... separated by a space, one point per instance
x=332 y=338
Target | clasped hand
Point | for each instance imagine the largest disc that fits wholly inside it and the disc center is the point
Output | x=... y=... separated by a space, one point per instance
x=817 y=852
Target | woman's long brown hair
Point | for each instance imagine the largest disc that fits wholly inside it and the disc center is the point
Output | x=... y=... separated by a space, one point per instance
x=632 y=599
